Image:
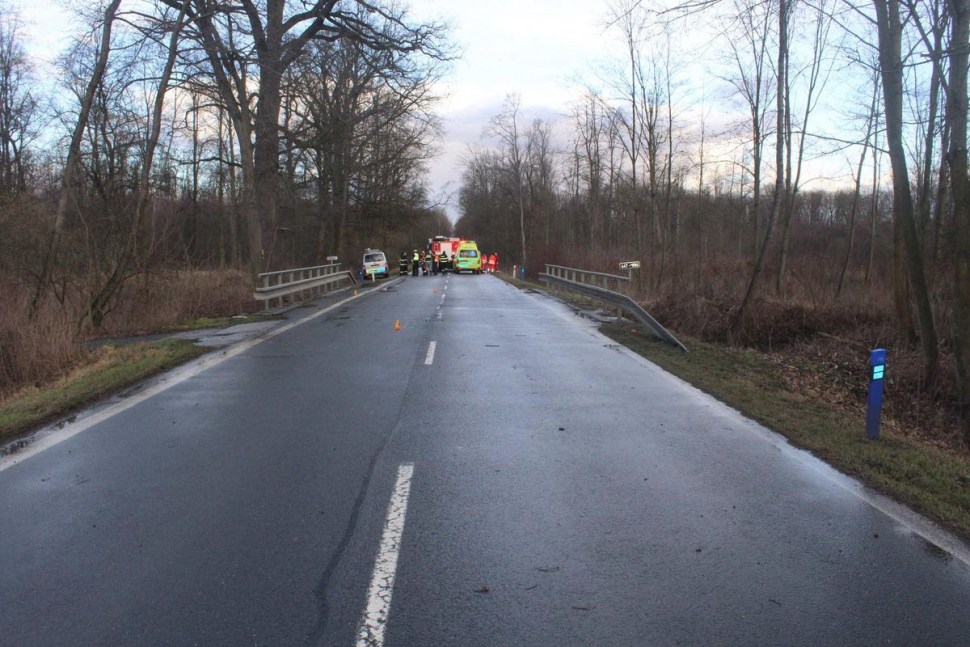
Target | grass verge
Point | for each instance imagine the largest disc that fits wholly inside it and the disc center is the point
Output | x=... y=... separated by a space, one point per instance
x=930 y=479
x=103 y=372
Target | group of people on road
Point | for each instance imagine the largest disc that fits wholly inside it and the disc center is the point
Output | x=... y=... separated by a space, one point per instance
x=490 y=263
x=428 y=262
x=425 y=262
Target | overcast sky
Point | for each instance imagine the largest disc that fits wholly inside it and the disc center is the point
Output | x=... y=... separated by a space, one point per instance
x=531 y=47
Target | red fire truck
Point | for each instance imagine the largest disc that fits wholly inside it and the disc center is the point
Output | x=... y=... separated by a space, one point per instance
x=447 y=245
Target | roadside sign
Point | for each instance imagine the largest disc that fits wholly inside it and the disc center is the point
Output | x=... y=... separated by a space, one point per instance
x=630 y=265
x=877 y=378
x=331 y=258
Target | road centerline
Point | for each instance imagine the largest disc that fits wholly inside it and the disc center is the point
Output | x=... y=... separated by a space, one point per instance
x=373 y=624
x=429 y=358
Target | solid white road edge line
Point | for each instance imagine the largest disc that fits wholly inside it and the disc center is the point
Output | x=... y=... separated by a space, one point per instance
x=429 y=358
x=168 y=381
x=906 y=517
x=370 y=633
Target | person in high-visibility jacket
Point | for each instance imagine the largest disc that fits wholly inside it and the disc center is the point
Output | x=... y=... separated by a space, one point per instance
x=414 y=263
x=442 y=261
x=402 y=264
x=493 y=263
x=434 y=263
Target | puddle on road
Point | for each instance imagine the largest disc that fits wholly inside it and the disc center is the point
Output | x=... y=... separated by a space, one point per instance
x=933 y=550
x=124 y=394
x=65 y=422
x=16 y=446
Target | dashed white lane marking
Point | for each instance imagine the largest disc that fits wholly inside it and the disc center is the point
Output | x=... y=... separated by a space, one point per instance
x=443 y=296
x=172 y=379
x=439 y=316
x=429 y=358
x=374 y=622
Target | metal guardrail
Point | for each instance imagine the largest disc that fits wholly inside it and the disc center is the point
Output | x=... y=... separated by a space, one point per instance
x=571 y=273
x=610 y=298
x=302 y=282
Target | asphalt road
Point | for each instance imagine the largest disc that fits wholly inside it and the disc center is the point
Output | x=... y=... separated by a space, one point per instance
x=523 y=483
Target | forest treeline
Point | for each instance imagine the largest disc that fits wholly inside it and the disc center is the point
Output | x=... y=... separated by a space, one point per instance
x=728 y=195
x=195 y=143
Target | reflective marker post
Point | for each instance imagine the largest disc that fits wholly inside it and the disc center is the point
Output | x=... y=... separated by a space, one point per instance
x=877 y=374
x=522 y=272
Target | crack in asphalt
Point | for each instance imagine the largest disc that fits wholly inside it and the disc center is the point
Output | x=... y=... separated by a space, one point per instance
x=320 y=592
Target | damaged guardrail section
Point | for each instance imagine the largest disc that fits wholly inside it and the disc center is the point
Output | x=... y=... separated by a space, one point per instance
x=555 y=276
x=299 y=283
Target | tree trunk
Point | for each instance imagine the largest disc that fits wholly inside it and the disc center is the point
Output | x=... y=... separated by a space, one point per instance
x=737 y=326
x=855 y=203
x=235 y=253
x=890 y=35
x=874 y=204
x=99 y=302
x=73 y=153
x=956 y=112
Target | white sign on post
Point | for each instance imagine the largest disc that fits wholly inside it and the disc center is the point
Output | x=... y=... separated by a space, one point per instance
x=331 y=258
x=630 y=265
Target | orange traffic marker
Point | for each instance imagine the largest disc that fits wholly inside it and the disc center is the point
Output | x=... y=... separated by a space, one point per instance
x=355 y=292
x=397 y=324
x=436 y=291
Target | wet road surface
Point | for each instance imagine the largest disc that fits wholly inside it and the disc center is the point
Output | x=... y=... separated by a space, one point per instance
x=492 y=474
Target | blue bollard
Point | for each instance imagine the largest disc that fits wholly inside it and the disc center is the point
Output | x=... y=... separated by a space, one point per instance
x=522 y=272
x=877 y=374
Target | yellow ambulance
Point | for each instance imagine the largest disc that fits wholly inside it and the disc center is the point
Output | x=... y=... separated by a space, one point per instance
x=468 y=258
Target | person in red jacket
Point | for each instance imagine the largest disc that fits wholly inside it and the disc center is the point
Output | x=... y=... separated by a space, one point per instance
x=493 y=264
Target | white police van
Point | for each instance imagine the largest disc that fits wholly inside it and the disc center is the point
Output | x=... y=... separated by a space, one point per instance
x=375 y=264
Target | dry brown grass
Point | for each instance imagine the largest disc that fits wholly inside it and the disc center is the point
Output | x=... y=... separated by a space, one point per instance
x=41 y=350
x=169 y=298
x=31 y=351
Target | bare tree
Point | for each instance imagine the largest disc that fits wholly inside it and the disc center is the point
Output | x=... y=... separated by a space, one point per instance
x=870 y=124
x=505 y=128
x=749 y=54
x=73 y=153
x=889 y=28
x=816 y=79
x=956 y=115
x=18 y=106
x=99 y=301
x=782 y=66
